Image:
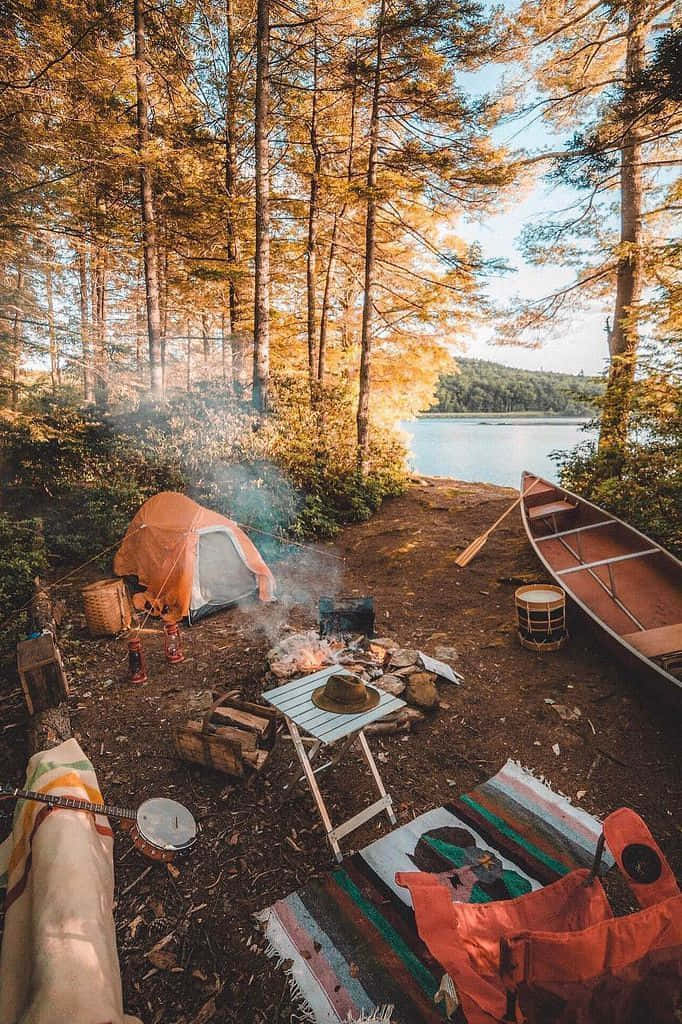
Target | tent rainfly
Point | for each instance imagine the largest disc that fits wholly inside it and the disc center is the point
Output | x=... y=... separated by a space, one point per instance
x=192 y=561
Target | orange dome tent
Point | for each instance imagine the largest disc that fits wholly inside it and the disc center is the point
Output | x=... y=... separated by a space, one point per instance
x=191 y=560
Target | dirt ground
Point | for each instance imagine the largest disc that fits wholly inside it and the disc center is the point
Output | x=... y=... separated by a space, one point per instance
x=257 y=844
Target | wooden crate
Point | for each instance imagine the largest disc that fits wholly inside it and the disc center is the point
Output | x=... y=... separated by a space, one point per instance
x=41 y=673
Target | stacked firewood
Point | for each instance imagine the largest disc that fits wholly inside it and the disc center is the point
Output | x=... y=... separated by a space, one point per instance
x=234 y=736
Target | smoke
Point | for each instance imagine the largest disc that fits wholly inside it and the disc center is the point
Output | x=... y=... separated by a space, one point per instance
x=305 y=575
x=261 y=498
x=259 y=495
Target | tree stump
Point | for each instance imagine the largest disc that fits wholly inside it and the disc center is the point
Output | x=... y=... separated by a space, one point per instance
x=49 y=728
x=41 y=611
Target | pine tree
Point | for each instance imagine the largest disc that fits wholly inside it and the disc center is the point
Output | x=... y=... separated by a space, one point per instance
x=261 y=318
x=151 y=254
x=588 y=60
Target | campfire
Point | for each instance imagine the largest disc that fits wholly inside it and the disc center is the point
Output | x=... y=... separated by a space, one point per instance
x=404 y=672
x=303 y=653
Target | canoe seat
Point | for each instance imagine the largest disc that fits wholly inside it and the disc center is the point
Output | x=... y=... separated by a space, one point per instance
x=551 y=509
x=654 y=643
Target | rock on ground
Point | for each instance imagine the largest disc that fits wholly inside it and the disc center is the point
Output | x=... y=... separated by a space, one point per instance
x=421 y=690
x=392 y=684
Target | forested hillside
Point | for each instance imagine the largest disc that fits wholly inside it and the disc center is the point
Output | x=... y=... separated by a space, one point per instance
x=482 y=386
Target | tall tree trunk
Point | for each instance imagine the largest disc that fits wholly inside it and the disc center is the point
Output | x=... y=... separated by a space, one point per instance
x=234 y=299
x=624 y=338
x=150 y=249
x=226 y=352
x=189 y=356
x=338 y=219
x=16 y=341
x=99 y=322
x=261 y=312
x=55 y=369
x=239 y=355
x=163 y=308
x=313 y=214
x=206 y=338
x=370 y=258
x=139 y=318
x=99 y=313
x=86 y=343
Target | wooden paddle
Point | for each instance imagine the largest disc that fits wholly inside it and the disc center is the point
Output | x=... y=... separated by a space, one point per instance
x=472 y=550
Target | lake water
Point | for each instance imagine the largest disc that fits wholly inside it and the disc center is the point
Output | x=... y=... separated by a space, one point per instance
x=493 y=450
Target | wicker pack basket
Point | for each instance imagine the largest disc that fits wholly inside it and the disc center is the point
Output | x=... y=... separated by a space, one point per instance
x=107 y=609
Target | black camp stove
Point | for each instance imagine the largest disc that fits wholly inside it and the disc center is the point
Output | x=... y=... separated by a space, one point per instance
x=344 y=616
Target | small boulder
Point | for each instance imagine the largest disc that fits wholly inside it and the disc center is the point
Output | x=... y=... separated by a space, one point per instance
x=391 y=684
x=403 y=658
x=421 y=690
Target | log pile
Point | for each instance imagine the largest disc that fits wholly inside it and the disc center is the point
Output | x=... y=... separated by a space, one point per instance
x=235 y=736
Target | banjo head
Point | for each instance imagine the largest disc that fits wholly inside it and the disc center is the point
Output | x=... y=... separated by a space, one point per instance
x=166 y=825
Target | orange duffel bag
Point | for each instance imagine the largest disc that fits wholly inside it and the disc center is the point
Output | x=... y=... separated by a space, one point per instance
x=465 y=937
x=626 y=970
x=545 y=957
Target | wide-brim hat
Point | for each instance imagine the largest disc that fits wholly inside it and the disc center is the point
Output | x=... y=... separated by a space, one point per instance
x=345 y=694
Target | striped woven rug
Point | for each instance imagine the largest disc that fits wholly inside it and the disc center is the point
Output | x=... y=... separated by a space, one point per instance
x=348 y=941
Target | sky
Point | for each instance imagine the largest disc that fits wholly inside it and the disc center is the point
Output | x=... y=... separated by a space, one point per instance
x=585 y=348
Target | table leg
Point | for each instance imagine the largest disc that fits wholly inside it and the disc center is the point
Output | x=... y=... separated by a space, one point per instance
x=293 y=779
x=375 y=773
x=315 y=789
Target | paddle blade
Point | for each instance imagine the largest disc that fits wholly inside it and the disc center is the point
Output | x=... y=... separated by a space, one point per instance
x=466 y=556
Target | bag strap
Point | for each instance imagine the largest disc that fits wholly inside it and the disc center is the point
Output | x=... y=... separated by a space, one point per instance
x=639 y=858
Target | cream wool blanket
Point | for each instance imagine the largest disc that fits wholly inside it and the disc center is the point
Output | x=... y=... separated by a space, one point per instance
x=58 y=961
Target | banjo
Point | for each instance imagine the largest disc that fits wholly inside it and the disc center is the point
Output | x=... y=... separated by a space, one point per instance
x=160 y=829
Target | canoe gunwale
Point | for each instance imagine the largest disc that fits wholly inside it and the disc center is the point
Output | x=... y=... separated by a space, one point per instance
x=647 y=664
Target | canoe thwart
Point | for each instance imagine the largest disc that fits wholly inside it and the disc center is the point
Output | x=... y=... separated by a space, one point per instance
x=607 y=561
x=576 y=529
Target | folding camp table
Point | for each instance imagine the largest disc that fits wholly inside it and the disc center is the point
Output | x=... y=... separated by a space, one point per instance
x=324 y=729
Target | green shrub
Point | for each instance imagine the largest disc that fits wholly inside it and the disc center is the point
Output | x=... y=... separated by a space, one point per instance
x=291 y=474
x=23 y=558
x=643 y=483
x=644 y=486
x=81 y=476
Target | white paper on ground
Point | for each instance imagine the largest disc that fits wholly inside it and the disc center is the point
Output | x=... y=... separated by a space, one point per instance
x=440 y=668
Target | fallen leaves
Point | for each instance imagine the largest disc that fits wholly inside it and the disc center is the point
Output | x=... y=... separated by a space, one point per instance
x=566 y=714
x=161 y=957
x=206 y=1012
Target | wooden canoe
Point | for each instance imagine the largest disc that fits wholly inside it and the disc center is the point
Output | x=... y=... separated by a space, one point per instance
x=627 y=584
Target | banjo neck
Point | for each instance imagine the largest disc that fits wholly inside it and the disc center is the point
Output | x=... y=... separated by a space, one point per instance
x=72 y=804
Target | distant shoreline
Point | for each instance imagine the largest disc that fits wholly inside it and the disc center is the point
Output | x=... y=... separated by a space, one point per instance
x=531 y=414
